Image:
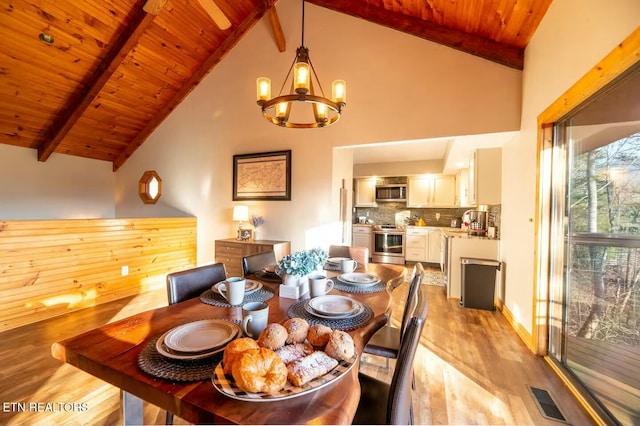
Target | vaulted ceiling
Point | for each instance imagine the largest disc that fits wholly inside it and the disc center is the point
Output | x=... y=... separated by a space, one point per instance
x=94 y=78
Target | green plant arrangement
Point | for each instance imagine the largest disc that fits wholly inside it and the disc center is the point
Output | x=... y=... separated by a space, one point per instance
x=302 y=263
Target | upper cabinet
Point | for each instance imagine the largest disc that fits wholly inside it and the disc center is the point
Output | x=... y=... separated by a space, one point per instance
x=431 y=191
x=365 y=192
x=462 y=188
x=485 y=177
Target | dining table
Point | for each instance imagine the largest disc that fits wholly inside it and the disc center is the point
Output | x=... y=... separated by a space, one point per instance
x=113 y=353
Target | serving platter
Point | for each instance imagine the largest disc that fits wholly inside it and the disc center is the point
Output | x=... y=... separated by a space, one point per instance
x=250 y=286
x=359 y=278
x=227 y=385
x=334 y=305
x=200 y=336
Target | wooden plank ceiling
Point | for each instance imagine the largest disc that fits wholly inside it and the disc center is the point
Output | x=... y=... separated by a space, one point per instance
x=117 y=68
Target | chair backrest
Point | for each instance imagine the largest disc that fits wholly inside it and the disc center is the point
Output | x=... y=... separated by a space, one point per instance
x=338 y=251
x=414 y=288
x=359 y=254
x=191 y=283
x=256 y=262
x=399 y=408
x=392 y=284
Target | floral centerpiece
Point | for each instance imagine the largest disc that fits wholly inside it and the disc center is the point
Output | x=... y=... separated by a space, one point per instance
x=302 y=263
x=257 y=222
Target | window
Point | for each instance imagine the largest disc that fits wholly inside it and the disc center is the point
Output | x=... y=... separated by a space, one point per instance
x=150 y=187
x=595 y=297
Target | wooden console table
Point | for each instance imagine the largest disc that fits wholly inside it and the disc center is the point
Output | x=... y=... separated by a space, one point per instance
x=231 y=251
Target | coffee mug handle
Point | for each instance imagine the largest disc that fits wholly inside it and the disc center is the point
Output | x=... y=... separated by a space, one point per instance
x=245 y=322
x=222 y=289
x=328 y=286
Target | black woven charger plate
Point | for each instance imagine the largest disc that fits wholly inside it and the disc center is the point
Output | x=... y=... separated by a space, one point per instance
x=267 y=276
x=361 y=319
x=212 y=298
x=154 y=364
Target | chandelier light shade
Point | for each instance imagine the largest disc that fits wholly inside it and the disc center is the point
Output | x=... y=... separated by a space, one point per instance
x=325 y=111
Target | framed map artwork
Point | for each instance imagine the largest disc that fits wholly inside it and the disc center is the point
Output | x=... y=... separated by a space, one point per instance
x=262 y=176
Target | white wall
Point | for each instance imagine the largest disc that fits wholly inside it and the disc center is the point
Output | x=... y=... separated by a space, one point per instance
x=399 y=87
x=572 y=38
x=63 y=187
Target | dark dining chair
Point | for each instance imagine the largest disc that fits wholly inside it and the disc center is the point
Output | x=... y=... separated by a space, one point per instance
x=191 y=283
x=256 y=262
x=391 y=403
x=386 y=341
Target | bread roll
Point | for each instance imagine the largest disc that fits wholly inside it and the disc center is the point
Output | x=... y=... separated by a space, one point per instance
x=234 y=350
x=318 y=335
x=309 y=367
x=273 y=336
x=297 y=329
x=340 y=346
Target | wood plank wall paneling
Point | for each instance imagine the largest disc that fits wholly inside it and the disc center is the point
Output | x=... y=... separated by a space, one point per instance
x=51 y=267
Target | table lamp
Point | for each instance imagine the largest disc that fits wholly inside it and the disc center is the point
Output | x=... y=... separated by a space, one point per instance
x=240 y=213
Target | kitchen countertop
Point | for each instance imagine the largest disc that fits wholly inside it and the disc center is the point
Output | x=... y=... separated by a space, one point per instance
x=450 y=232
x=454 y=232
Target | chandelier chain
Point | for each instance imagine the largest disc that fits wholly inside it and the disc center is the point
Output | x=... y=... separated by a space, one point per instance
x=302 y=41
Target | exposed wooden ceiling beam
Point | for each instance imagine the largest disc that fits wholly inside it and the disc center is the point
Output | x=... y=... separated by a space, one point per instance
x=89 y=89
x=277 y=28
x=229 y=42
x=488 y=49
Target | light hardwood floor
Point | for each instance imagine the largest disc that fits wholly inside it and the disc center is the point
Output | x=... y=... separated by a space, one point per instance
x=471 y=368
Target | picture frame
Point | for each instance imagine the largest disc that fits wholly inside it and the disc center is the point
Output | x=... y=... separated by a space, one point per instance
x=262 y=176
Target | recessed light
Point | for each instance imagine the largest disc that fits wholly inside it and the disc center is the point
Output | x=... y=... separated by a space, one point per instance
x=46 y=38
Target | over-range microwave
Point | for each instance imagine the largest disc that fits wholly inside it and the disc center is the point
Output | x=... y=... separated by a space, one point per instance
x=391 y=192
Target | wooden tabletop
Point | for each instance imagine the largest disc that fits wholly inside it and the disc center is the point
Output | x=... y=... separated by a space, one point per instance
x=111 y=353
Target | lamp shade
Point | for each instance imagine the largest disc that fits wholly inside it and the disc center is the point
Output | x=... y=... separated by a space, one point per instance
x=241 y=213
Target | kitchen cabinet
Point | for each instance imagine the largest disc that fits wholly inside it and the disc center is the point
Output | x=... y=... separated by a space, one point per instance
x=231 y=251
x=365 y=192
x=462 y=188
x=431 y=191
x=465 y=246
x=485 y=177
x=422 y=244
x=362 y=237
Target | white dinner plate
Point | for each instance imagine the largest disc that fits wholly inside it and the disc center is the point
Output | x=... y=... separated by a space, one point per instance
x=200 y=336
x=315 y=313
x=270 y=269
x=250 y=286
x=167 y=352
x=334 y=305
x=359 y=278
x=337 y=260
x=227 y=386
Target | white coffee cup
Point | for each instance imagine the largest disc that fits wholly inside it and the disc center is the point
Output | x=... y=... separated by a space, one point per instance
x=319 y=285
x=232 y=289
x=347 y=265
x=255 y=316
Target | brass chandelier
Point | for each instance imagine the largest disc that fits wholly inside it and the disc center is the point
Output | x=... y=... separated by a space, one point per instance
x=325 y=111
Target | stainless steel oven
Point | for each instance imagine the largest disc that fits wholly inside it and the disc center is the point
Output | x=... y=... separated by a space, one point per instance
x=388 y=245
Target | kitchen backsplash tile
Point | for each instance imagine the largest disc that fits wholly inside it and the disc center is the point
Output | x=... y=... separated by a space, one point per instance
x=385 y=213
